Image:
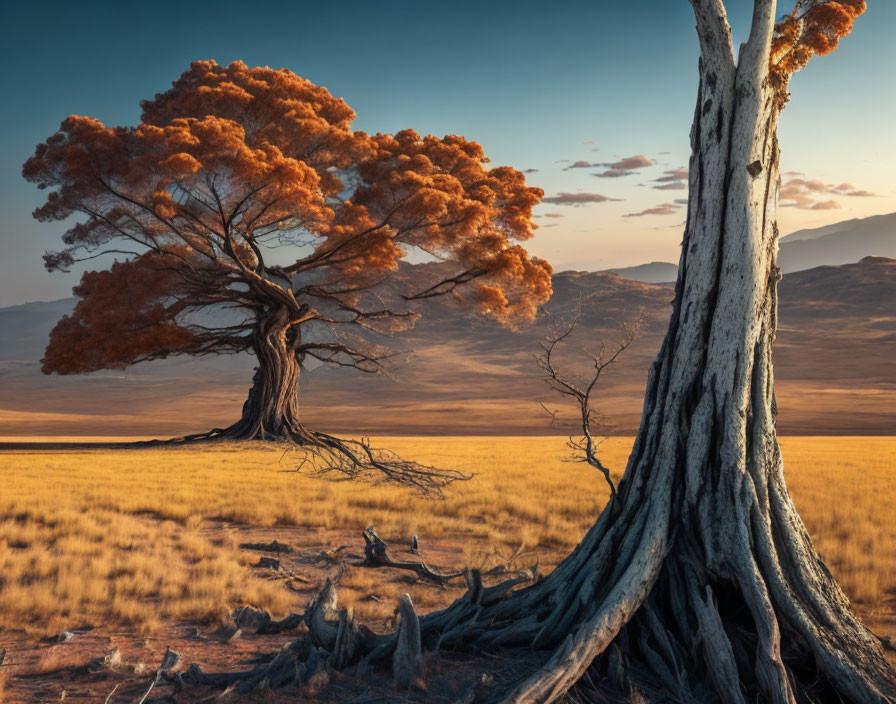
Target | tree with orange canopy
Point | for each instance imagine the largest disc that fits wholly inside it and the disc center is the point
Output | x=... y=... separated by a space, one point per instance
x=245 y=214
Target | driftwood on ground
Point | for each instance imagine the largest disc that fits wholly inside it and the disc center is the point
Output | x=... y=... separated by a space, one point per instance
x=378 y=554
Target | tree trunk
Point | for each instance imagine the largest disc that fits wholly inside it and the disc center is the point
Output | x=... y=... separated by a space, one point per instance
x=271 y=412
x=272 y=409
x=700 y=583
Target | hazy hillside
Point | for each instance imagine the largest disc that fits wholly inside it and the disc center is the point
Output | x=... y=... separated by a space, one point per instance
x=652 y=273
x=883 y=223
x=841 y=243
x=835 y=368
x=832 y=245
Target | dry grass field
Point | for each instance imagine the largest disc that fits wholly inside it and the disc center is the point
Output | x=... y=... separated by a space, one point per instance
x=133 y=541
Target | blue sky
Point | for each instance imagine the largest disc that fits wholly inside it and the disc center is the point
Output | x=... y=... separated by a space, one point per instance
x=535 y=83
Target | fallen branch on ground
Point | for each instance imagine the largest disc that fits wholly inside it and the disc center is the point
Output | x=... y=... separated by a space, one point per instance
x=378 y=554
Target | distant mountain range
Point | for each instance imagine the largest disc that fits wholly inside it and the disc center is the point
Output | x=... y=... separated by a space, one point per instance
x=835 y=368
x=832 y=245
x=841 y=243
x=652 y=273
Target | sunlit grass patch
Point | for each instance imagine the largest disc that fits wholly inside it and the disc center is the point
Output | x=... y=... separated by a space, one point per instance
x=122 y=537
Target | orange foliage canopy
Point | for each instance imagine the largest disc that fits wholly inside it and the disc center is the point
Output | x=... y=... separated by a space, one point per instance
x=233 y=162
x=120 y=307
x=815 y=27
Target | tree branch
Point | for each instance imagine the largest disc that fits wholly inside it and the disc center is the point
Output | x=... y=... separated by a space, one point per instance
x=581 y=391
x=713 y=31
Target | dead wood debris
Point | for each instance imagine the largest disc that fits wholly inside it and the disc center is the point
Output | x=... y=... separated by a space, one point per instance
x=259 y=620
x=377 y=553
x=67 y=635
x=274 y=546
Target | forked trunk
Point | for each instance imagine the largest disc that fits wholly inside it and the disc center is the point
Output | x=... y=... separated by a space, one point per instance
x=272 y=409
x=700 y=583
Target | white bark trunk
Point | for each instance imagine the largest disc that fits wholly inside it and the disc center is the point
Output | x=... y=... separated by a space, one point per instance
x=704 y=483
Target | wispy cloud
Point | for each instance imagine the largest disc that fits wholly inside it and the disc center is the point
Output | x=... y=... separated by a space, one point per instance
x=578 y=198
x=672 y=180
x=679 y=174
x=847 y=189
x=809 y=194
x=624 y=167
x=551 y=215
x=637 y=161
x=823 y=205
x=614 y=173
x=661 y=209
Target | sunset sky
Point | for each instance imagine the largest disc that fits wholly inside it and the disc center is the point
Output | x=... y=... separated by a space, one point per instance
x=541 y=85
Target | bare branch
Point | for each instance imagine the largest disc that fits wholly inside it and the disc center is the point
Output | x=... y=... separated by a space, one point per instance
x=580 y=391
x=328 y=454
x=714 y=31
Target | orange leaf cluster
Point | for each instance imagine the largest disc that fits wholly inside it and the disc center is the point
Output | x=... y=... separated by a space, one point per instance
x=119 y=320
x=817 y=31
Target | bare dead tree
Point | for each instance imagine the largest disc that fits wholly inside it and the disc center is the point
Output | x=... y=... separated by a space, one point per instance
x=579 y=390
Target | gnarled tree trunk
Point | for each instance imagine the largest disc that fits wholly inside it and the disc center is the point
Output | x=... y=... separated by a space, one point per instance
x=272 y=409
x=271 y=412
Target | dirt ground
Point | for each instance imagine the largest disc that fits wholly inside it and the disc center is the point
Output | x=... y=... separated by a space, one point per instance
x=525 y=494
x=40 y=671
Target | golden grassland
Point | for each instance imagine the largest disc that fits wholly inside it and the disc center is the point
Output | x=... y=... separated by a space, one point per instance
x=137 y=537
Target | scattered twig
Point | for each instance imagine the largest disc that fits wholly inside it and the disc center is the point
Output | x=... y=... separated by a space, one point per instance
x=108 y=699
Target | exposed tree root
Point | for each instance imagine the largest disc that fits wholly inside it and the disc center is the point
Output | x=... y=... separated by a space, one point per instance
x=327 y=454
x=271 y=412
